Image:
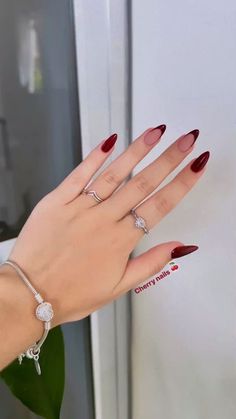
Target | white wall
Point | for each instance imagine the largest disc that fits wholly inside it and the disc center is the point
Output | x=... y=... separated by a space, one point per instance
x=184 y=334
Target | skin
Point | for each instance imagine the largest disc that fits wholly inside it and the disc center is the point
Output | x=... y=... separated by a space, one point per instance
x=76 y=251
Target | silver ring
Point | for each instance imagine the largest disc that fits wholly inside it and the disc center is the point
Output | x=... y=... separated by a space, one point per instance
x=139 y=221
x=93 y=194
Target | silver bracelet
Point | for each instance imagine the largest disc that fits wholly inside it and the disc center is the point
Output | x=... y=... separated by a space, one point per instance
x=43 y=312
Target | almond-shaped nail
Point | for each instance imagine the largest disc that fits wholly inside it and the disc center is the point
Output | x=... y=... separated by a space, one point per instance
x=109 y=143
x=187 y=141
x=180 y=251
x=200 y=162
x=154 y=134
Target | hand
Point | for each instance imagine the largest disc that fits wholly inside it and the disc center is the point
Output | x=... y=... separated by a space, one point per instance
x=76 y=251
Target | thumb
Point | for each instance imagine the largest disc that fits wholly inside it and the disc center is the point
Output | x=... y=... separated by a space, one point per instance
x=150 y=262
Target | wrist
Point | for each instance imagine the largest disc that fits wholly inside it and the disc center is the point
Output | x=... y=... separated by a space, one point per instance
x=18 y=324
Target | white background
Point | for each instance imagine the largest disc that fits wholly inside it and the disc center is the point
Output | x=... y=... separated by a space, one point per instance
x=184 y=332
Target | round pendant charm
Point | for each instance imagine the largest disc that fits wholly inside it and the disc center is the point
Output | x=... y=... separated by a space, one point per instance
x=44 y=312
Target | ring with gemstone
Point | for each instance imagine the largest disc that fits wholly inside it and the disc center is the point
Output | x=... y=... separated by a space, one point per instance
x=93 y=194
x=139 y=221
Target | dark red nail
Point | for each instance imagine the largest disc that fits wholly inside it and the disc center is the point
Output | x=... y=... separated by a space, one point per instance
x=109 y=143
x=180 y=251
x=161 y=127
x=195 y=133
x=200 y=162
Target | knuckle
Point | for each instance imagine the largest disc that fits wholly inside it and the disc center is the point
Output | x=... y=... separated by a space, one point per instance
x=158 y=267
x=163 y=205
x=143 y=184
x=111 y=178
x=184 y=184
x=170 y=158
x=74 y=176
x=136 y=152
x=153 y=269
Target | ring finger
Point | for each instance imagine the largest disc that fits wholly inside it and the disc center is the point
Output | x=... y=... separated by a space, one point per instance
x=163 y=201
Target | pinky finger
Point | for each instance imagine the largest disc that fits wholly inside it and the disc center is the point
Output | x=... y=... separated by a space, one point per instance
x=151 y=262
x=74 y=183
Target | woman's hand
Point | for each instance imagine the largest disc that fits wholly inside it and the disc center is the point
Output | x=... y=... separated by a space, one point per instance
x=76 y=250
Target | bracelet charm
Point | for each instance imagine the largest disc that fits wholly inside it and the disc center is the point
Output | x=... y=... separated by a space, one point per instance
x=31 y=354
x=44 y=312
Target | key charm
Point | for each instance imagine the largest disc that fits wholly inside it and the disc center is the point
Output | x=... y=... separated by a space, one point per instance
x=31 y=354
x=37 y=365
x=35 y=356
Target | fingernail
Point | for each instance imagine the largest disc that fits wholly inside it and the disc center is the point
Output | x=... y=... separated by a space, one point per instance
x=187 y=141
x=154 y=134
x=180 y=251
x=200 y=162
x=109 y=143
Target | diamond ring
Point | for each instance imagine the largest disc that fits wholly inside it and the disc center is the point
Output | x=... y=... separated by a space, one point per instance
x=139 y=221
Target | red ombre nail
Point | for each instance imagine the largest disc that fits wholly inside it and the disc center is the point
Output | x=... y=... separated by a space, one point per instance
x=161 y=127
x=180 y=251
x=186 y=142
x=200 y=162
x=154 y=135
x=109 y=143
x=195 y=133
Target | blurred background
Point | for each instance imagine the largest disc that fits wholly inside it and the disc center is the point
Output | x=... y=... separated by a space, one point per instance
x=72 y=73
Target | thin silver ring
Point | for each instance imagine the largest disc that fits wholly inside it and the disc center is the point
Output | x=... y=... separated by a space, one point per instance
x=93 y=194
x=139 y=221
